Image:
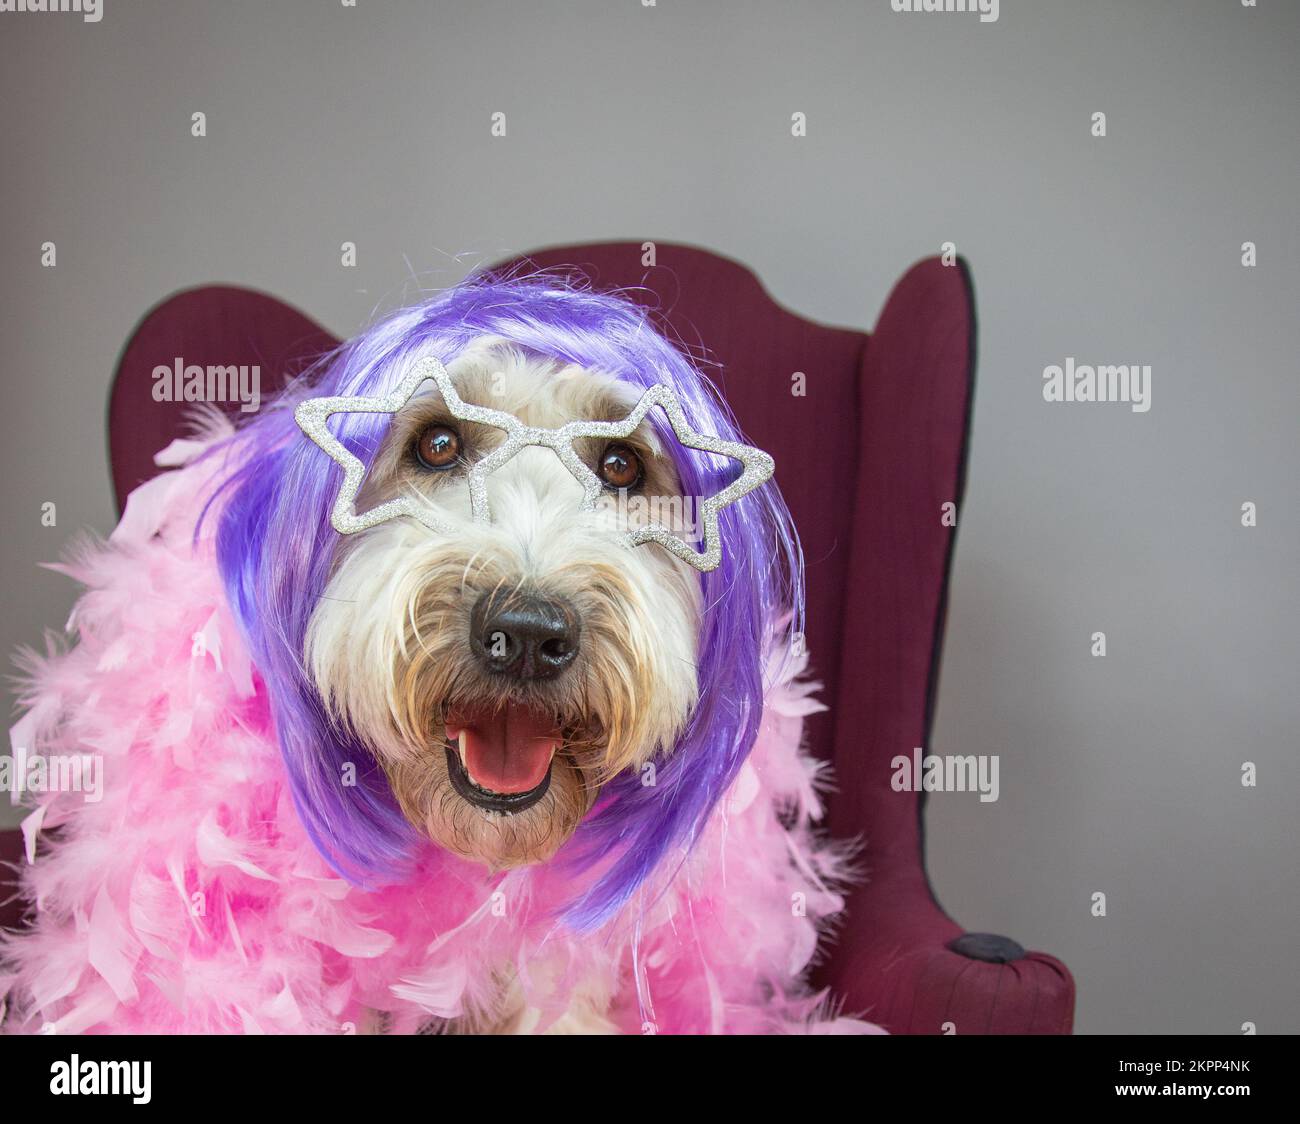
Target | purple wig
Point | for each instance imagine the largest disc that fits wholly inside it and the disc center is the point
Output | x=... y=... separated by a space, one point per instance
x=275 y=545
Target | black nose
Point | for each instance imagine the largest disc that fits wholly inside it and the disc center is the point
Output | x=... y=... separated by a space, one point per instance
x=523 y=635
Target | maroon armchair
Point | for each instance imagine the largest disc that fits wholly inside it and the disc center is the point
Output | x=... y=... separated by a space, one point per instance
x=870 y=444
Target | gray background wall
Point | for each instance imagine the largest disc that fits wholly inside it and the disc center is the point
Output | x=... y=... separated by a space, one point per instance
x=371 y=124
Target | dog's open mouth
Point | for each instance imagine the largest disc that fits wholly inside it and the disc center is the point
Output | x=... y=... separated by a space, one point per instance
x=500 y=759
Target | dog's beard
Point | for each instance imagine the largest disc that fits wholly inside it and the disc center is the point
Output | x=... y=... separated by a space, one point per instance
x=430 y=797
x=580 y=723
x=390 y=649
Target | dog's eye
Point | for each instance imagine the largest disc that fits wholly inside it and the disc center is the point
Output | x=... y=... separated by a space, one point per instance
x=438 y=447
x=620 y=467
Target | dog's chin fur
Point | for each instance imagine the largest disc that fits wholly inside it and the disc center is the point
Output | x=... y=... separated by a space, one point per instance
x=389 y=643
x=500 y=840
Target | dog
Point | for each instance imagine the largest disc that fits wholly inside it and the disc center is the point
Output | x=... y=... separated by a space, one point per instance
x=419 y=711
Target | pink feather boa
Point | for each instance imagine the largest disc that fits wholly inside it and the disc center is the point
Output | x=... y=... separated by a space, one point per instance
x=189 y=899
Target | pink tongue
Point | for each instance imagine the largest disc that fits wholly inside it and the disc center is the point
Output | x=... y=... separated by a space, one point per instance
x=506 y=750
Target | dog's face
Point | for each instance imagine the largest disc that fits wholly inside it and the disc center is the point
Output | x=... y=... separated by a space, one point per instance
x=503 y=673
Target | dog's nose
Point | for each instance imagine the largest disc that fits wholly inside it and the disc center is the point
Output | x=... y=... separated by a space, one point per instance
x=523 y=635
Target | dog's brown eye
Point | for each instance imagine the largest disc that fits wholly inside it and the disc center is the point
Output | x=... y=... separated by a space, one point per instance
x=438 y=447
x=620 y=467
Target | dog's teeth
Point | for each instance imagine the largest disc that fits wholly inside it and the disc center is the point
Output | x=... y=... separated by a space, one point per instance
x=460 y=741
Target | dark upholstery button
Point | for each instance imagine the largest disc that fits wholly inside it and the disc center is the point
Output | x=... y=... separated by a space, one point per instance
x=987 y=946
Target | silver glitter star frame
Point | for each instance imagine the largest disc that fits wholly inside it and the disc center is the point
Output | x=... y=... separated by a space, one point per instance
x=313 y=414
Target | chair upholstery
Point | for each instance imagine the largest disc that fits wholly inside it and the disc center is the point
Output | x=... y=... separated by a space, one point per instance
x=869 y=445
